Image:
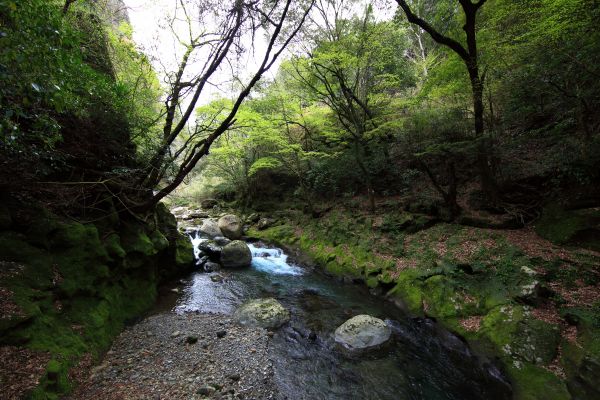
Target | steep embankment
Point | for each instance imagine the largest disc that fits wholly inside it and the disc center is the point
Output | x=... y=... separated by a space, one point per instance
x=68 y=288
x=512 y=294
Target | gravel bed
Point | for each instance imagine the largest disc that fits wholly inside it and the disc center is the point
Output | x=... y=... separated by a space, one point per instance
x=190 y=356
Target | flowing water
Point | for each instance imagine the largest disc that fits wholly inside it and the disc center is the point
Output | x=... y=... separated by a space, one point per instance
x=425 y=361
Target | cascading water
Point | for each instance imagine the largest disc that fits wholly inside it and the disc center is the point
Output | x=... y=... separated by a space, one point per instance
x=425 y=362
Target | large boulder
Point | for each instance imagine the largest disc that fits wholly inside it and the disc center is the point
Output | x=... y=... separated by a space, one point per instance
x=236 y=254
x=362 y=333
x=265 y=313
x=231 y=226
x=210 y=227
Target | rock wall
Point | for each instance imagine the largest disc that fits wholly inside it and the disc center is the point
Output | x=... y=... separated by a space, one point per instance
x=69 y=287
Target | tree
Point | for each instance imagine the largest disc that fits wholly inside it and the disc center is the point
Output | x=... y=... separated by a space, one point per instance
x=182 y=146
x=353 y=71
x=469 y=55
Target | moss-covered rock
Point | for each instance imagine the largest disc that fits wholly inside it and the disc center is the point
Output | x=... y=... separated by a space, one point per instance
x=580 y=227
x=184 y=252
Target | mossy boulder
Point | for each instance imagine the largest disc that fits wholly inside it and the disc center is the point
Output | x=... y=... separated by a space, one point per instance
x=166 y=221
x=113 y=247
x=184 y=251
x=265 y=313
x=134 y=239
x=236 y=254
x=520 y=336
x=578 y=227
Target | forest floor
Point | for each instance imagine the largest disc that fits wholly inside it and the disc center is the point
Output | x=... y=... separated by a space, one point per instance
x=191 y=356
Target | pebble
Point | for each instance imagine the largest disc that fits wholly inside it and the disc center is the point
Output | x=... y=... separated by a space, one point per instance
x=228 y=361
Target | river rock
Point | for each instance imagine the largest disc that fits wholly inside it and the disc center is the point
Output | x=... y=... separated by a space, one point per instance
x=211 y=249
x=222 y=241
x=194 y=214
x=208 y=203
x=211 y=267
x=236 y=254
x=231 y=226
x=210 y=227
x=264 y=313
x=362 y=333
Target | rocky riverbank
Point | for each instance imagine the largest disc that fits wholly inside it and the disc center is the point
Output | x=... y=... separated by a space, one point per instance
x=190 y=356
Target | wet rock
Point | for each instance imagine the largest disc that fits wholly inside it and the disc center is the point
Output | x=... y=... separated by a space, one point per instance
x=211 y=267
x=221 y=241
x=361 y=333
x=231 y=226
x=221 y=334
x=236 y=254
x=211 y=249
x=206 y=390
x=195 y=214
x=210 y=227
x=264 y=313
x=203 y=259
x=216 y=278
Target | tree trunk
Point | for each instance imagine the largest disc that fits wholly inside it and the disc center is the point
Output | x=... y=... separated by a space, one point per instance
x=487 y=179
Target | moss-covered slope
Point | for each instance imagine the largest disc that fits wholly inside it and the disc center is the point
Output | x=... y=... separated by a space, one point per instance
x=512 y=294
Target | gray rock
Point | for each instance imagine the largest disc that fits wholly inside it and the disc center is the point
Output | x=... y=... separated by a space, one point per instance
x=231 y=226
x=361 y=333
x=216 y=278
x=211 y=267
x=236 y=254
x=194 y=214
x=210 y=227
x=221 y=241
x=264 y=313
x=211 y=249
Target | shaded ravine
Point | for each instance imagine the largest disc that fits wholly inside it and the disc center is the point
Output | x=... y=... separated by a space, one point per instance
x=425 y=361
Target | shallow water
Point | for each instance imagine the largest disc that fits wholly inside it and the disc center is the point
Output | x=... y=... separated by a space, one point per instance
x=424 y=362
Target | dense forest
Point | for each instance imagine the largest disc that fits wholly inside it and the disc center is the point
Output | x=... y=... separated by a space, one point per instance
x=444 y=154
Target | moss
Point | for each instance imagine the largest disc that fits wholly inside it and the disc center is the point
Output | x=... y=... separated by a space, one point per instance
x=409 y=290
x=531 y=382
x=159 y=241
x=556 y=226
x=184 y=251
x=135 y=240
x=520 y=336
x=282 y=234
x=113 y=247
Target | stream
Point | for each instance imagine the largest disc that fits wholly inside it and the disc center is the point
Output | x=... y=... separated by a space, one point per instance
x=425 y=361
